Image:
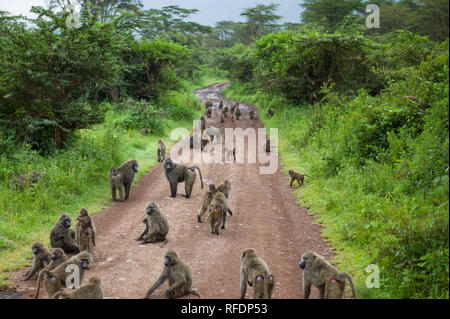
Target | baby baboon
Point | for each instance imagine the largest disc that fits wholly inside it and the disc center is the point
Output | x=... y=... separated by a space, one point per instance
x=58 y=257
x=116 y=182
x=207 y=198
x=92 y=290
x=20 y=181
x=85 y=231
x=225 y=188
x=128 y=169
x=252 y=114
x=271 y=112
x=209 y=112
x=41 y=259
x=56 y=278
x=62 y=236
x=161 y=151
x=221 y=105
x=256 y=273
x=218 y=212
x=320 y=273
x=156 y=228
x=179 y=275
x=177 y=173
x=237 y=113
x=300 y=178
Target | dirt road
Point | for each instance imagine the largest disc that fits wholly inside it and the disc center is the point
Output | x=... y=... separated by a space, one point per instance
x=265 y=218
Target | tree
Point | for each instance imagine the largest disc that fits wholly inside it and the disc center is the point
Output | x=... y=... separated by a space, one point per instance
x=261 y=20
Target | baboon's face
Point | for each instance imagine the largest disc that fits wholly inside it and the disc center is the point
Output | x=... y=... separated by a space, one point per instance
x=151 y=208
x=54 y=256
x=170 y=258
x=85 y=263
x=307 y=259
x=83 y=212
x=66 y=221
x=212 y=187
x=36 y=250
x=168 y=164
x=135 y=167
x=291 y=172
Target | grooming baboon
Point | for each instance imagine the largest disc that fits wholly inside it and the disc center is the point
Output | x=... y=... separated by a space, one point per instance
x=156 y=228
x=58 y=257
x=300 y=178
x=319 y=272
x=128 y=169
x=237 y=113
x=256 y=273
x=252 y=114
x=20 y=181
x=56 y=278
x=85 y=231
x=161 y=151
x=116 y=183
x=207 y=198
x=225 y=188
x=221 y=105
x=218 y=212
x=179 y=276
x=92 y=290
x=209 y=112
x=177 y=173
x=203 y=123
x=62 y=236
x=271 y=112
x=41 y=258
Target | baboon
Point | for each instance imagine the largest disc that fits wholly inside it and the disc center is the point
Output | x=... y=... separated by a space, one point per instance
x=267 y=146
x=252 y=114
x=161 y=151
x=203 y=123
x=179 y=276
x=208 y=104
x=92 y=290
x=319 y=272
x=58 y=257
x=209 y=112
x=225 y=188
x=85 y=231
x=237 y=113
x=222 y=117
x=221 y=105
x=215 y=133
x=144 y=131
x=127 y=170
x=233 y=117
x=20 y=181
x=225 y=111
x=256 y=273
x=41 y=259
x=300 y=178
x=156 y=228
x=62 y=236
x=116 y=183
x=177 y=173
x=197 y=141
x=233 y=108
x=207 y=198
x=271 y=112
x=218 y=212
x=56 y=278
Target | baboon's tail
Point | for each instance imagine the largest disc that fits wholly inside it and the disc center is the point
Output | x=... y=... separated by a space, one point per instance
x=310 y=176
x=199 y=172
x=39 y=279
x=345 y=275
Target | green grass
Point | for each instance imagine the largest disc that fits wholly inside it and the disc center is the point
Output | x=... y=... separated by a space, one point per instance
x=74 y=177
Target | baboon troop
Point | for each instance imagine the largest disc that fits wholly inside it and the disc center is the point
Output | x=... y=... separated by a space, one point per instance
x=319 y=272
x=92 y=290
x=270 y=112
x=56 y=278
x=300 y=178
x=207 y=198
x=179 y=276
x=85 y=231
x=177 y=173
x=123 y=176
x=20 y=181
x=161 y=151
x=156 y=225
x=256 y=273
x=41 y=259
x=61 y=236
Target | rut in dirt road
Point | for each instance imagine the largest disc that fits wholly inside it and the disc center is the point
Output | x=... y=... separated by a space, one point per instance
x=265 y=217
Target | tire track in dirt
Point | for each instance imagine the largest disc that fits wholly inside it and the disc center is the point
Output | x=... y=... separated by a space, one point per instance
x=265 y=217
